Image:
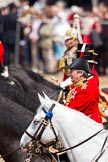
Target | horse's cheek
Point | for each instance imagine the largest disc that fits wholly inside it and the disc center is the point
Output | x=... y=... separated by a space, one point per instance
x=47 y=136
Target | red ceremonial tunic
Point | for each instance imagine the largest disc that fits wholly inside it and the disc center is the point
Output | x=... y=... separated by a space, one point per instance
x=85 y=98
x=95 y=77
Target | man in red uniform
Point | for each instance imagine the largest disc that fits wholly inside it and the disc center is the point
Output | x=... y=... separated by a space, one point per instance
x=84 y=97
x=86 y=51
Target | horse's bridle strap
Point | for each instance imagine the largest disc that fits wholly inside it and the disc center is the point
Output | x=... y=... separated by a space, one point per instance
x=32 y=137
x=51 y=124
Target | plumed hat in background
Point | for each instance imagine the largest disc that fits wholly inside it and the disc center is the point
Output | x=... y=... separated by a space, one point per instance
x=86 y=51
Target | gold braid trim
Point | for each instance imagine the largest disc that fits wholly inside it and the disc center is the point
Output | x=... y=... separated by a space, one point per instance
x=71 y=93
x=62 y=63
x=60 y=96
x=69 y=96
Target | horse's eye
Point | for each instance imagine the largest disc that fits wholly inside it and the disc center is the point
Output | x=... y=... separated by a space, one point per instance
x=36 y=122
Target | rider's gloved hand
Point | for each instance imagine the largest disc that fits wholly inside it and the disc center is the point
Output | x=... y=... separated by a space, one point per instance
x=66 y=83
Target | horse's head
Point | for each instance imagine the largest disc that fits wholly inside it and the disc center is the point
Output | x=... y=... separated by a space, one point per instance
x=40 y=129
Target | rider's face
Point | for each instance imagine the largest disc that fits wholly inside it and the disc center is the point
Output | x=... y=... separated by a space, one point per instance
x=76 y=75
x=71 y=43
x=75 y=42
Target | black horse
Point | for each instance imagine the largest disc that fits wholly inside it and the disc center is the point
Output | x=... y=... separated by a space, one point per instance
x=17 y=110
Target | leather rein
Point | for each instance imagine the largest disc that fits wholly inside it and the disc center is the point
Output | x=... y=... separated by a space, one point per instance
x=10 y=153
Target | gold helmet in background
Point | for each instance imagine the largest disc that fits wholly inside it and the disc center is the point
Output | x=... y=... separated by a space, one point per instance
x=74 y=32
x=71 y=33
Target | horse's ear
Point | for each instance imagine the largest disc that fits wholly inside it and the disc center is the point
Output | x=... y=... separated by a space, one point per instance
x=45 y=102
x=41 y=99
x=46 y=97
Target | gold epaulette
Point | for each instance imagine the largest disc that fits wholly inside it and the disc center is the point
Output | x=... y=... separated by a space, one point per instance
x=74 y=49
x=69 y=96
x=82 y=83
x=62 y=63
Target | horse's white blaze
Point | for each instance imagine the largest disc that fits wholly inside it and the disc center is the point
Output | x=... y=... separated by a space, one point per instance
x=74 y=127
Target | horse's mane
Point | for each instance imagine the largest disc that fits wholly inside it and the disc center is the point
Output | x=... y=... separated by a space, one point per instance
x=18 y=71
x=32 y=82
x=39 y=78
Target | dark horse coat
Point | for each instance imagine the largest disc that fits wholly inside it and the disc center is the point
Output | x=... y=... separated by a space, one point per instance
x=32 y=83
x=14 y=119
x=17 y=110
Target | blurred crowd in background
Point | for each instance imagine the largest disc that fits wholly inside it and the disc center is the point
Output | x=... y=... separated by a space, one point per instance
x=33 y=36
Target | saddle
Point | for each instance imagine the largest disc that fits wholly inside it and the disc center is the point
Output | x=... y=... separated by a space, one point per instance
x=105 y=125
x=103 y=105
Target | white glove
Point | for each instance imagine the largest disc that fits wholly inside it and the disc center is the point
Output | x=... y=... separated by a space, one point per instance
x=66 y=83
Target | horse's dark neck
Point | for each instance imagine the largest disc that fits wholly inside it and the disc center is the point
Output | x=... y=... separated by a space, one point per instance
x=12 y=125
x=18 y=96
x=14 y=119
x=15 y=109
x=11 y=129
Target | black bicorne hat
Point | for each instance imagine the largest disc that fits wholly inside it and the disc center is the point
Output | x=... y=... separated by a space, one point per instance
x=88 y=53
x=80 y=64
